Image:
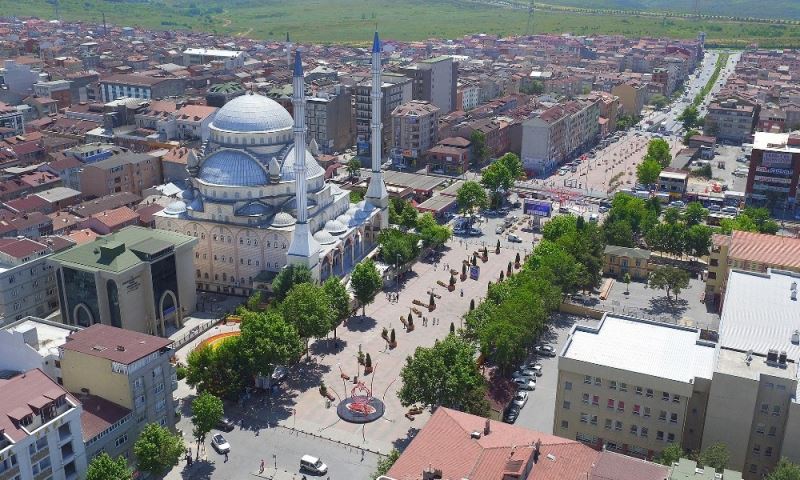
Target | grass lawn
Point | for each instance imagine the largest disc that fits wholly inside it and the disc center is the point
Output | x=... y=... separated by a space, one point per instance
x=352 y=21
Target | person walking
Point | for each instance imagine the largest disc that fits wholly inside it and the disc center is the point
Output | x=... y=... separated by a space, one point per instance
x=261 y=468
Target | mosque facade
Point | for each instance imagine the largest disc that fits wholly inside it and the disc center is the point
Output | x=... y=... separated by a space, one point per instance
x=257 y=199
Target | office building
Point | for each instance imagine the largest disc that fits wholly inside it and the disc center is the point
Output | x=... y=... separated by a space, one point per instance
x=415 y=130
x=126 y=172
x=435 y=80
x=774 y=170
x=731 y=120
x=230 y=59
x=128 y=369
x=396 y=90
x=27 y=281
x=329 y=117
x=140 y=86
x=633 y=386
x=40 y=429
x=137 y=278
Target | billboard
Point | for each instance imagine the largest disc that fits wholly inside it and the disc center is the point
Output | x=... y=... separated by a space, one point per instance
x=776 y=159
x=777 y=171
x=541 y=208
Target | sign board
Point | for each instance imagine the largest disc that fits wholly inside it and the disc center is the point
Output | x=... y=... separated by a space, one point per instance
x=775 y=171
x=474 y=272
x=776 y=159
x=761 y=178
x=541 y=208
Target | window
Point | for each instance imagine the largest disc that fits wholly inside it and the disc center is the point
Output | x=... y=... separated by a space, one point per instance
x=160 y=404
x=781 y=387
x=612 y=385
x=586 y=398
x=643 y=432
x=764 y=408
x=159 y=388
x=595 y=400
x=637 y=409
x=584 y=418
x=634 y=430
x=771 y=432
x=611 y=403
x=121 y=440
x=593 y=420
x=618 y=425
x=665 y=396
x=673 y=418
x=566 y=404
x=776 y=411
x=753 y=468
x=623 y=387
x=670 y=438
x=597 y=381
x=756 y=449
x=662 y=416
x=770 y=385
x=760 y=428
x=768 y=452
x=564 y=424
x=649 y=393
x=676 y=398
x=660 y=435
x=638 y=390
x=608 y=424
x=620 y=406
x=587 y=379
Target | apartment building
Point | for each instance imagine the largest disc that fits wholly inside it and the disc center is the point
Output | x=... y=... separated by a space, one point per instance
x=632 y=96
x=747 y=251
x=139 y=86
x=12 y=122
x=470 y=95
x=673 y=182
x=127 y=172
x=329 y=119
x=59 y=90
x=731 y=120
x=395 y=90
x=230 y=59
x=435 y=80
x=774 y=170
x=40 y=429
x=27 y=281
x=415 y=129
x=129 y=369
x=633 y=386
x=137 y=278
x=32 y=343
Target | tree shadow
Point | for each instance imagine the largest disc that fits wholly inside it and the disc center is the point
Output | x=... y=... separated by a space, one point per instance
x=328 y=346
x=186 y=405
x=200 y=469
x=360 y=323
x=666 y=306
x=401 y=443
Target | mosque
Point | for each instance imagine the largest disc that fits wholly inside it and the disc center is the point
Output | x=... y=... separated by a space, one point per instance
x=257 y=200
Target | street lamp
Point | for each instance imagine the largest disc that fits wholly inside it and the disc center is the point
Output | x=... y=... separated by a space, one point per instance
x=397 y=270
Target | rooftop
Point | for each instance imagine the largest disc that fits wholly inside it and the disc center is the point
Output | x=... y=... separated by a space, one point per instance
x=770 y=250
x=115 y=344
x=19 y=393
x=627 y=252
x=98 y=414
x=758 y=312
x=649 y=348
x=783 y=142
x=41 y=335
x=686 y=469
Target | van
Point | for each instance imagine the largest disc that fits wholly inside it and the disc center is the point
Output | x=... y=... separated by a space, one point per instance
x=594 y=218
x=313 y=464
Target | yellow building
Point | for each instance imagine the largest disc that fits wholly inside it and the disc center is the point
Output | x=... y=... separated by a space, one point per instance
x=617 y=261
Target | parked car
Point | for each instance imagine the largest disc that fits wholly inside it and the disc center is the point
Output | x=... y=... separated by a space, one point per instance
x=224 y=424
x=525 y=372
x=545 y=350
x=520 y=399
x=279 y=374
x=525 y=383
x=511 y=414
x=513 y=238
x=730 y=210
x=677 y=204
x=535 y=367
x=714 y=208
x=602 y=209
x=499 y=229
x=313 y=465
x=220 y=444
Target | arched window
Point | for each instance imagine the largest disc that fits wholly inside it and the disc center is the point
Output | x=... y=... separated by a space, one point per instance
x=113 y=303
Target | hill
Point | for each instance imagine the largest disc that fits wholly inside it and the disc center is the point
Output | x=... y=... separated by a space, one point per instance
x=351 y=21
x=733 y=8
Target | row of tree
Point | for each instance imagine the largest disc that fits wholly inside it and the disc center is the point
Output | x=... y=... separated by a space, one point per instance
x=717 y=456
x=657 y=158
x=156 y=451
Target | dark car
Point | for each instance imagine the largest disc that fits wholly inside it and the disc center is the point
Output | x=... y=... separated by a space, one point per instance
x=512 y=412
x=225 y=425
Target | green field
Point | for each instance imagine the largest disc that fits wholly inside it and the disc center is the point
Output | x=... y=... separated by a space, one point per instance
x=352 y=21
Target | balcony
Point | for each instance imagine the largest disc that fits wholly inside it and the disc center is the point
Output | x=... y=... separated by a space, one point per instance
x=64 y=434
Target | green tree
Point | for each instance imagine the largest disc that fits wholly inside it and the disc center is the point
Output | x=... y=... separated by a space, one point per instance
x=103 y=467
x=402 y=213
x=288 y=277
x=566 y=270
x=398 y=247
x=689 y=117
x=267 y=340
x=715 y=456
x=353 y=167
x=339 y=299
x=672 y=215
x=698 y=240
x=307 y=308
x=641 y=215
x=667 y=238
x=689 y=134
x=785 y=470
x=217 y=369
x=618 y=232
x=669 y=279
x=157 y=449
x=479 y=150
x=386 y=463
x=445 y=374
x=659 y=101
x=254 y=300
x=433 y=234
x=648 y=171
x=470 y=196
x=627 y=279
x=366 y=282
x=671 y=454
x=207 y=411
x=513 y=164
x=658 y=149
x=695 y=213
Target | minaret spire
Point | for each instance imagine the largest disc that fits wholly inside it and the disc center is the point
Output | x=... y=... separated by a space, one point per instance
x=303 y=248
x=376 y=192
x=288 y=51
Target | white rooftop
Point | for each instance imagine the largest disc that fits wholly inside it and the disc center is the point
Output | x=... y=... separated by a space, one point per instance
x=650 y=348
x=49 y=335
x=212 y=52
x=777 y=142
x=758 y=313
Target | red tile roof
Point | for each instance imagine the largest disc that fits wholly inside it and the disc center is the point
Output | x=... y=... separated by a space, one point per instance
x=98 y=414
x=771 y=250
x=115 y=344
x=18 y=393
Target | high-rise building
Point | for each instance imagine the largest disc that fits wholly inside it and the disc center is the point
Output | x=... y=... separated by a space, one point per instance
x=435 y=80
x=774 y=170
x=415 y=130
x=329 y=117
x=395 y=90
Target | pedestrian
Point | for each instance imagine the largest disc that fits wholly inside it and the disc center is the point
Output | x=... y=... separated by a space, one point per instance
x=261 y=468
x=226 y=457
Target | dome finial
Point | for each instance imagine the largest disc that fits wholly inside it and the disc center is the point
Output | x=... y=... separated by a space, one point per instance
x=298 y=64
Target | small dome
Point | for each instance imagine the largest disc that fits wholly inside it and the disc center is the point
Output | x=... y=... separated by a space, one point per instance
x=345 y=219
x=324 y=238
x=232 y=168
x=335 y=227
x=253 y=209
x=312 y=167
x=352 y=211
x=283 y=219
x=252 y=113
x=175 y=208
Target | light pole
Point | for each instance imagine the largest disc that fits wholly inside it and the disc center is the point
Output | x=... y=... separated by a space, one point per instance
x=397 y=270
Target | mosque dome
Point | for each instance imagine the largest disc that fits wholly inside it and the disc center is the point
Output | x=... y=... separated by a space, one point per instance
x=233 y=168
x=324 y=238
x=252 y=113
x=335 y=227
x=283 y=219
x=175 y=208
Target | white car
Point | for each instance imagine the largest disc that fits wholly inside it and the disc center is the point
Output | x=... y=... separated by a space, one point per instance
x=520 y=399
x=536 y=368
x=498 y=230
x=525 y=372
x=525 y=383
x=220 y=444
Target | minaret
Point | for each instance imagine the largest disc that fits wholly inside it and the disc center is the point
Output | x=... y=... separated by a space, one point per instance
x=288 y=51
x=303 y=249
x=376 y=192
